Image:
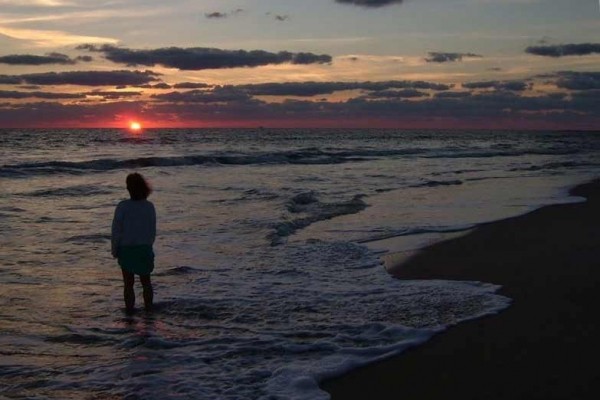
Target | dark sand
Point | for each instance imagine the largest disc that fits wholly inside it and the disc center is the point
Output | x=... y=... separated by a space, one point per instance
x=546 y=345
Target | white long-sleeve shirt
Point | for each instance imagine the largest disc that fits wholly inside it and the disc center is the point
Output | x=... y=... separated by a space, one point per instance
x=134 y=223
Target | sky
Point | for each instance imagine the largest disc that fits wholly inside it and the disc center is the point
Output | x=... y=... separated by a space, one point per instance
x=410 y=64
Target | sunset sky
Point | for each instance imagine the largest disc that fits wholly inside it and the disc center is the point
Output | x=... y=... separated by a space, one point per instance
x=532 y=64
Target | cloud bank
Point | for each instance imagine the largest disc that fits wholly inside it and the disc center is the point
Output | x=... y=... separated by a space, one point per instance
x=307 y=89
x=438 y=57
x=222 y=94
x=563 y=50
x=12 y=94
x=370 y=3
x=398 y=94
x=50 y=58
x=517 y=86
x=380 y=103
x=83 y=78
x=578 y=80
x=200 y=58
x=230 y=106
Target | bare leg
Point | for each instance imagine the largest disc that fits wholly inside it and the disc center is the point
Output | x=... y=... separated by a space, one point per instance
x=128 y=292
x=148 y=292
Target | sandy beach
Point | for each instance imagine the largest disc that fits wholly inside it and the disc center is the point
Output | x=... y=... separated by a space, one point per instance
x=544 y=346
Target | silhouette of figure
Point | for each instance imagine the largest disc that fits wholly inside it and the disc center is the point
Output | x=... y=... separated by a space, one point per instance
x=133 y=234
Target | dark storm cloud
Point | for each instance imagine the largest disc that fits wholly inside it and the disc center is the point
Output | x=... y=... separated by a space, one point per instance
x=307 y=89
x=50 y=58
x=370 y=3
x=199 y=58
x=562 y=50
x=83 y=78
x=437 y=57
x=11 y=94
x=516 y=86
x=578 y=80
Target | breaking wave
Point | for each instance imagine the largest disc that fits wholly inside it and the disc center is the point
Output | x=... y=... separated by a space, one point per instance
x=301 y=156
x=312 y=210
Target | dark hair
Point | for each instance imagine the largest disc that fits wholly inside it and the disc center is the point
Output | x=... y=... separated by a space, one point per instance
x=137 y=186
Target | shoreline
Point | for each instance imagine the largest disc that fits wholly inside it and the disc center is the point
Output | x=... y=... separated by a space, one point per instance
x=540 y=347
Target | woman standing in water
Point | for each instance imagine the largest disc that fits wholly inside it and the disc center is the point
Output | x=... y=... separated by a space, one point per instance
x=133 y=234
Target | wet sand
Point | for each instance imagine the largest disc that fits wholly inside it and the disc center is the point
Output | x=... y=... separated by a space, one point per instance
x=544 y=346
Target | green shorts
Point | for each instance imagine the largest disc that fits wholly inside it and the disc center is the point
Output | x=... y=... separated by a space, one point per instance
x=137 y=260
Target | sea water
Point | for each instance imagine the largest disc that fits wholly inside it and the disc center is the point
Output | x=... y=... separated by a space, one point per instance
x=268 y=274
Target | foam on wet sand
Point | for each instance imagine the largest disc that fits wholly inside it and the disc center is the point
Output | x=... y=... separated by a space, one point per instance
x=543 y=346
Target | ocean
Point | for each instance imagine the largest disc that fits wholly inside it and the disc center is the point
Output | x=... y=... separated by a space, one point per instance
x=269 y=276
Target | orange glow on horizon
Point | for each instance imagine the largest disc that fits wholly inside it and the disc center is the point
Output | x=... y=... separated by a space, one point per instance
x=135 y=126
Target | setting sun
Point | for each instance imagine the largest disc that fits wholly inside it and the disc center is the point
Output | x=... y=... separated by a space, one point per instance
x=135 y=126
